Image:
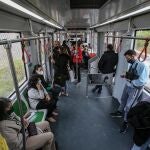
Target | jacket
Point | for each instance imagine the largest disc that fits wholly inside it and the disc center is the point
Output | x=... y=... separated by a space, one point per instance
x=77 y=56
x=108 y=62
x=10 y=130
x=139 y=118
x=35 y=96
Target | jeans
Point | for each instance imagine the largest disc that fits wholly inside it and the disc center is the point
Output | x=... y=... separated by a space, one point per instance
x=142 y=147
x=77 y=71
x=130 y=98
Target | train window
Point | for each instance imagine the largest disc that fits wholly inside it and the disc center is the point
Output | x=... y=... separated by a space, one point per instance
x=6 y=82
x=139 y=44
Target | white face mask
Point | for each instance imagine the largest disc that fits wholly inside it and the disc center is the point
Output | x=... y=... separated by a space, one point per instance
x=40 y=72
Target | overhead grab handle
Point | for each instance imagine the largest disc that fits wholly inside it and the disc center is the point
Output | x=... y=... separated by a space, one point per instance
x=24 y=51
x=144 y=51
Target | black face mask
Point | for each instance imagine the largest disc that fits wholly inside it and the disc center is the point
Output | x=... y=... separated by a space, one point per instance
x=10 y=111
x=131 y=61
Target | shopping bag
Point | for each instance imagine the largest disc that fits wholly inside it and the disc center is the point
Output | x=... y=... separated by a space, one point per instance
x=71 y=75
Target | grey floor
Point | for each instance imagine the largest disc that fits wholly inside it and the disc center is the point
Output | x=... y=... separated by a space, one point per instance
x=85 y=124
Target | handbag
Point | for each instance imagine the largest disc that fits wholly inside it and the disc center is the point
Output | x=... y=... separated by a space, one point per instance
x=32 y=130
x=71 y=74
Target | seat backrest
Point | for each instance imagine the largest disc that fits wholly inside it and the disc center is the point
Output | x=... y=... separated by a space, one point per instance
x=25 y=107
x=25 y=95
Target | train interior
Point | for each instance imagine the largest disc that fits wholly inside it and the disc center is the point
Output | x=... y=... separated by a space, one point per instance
x=28 y=29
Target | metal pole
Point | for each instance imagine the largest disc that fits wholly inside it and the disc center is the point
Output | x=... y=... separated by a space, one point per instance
x=130 y=37
x=12 y=68
x=21 y=39
x=76 y=58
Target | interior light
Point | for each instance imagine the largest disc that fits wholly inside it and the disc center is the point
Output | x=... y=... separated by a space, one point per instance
x=124 y=16
x=24 y=10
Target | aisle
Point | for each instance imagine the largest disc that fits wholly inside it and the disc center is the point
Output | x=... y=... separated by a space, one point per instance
x=85 y=124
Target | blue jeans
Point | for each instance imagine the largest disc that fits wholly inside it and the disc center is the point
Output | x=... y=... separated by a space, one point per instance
x=130 y=98
x=142 y=147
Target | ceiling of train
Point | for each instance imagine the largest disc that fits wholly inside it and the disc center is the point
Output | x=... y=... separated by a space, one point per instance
x=61 y=11
x=86 y=3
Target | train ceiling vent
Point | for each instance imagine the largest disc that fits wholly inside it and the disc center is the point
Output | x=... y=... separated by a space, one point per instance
x=86 y=4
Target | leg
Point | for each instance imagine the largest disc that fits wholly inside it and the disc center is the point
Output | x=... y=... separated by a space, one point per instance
x=119 y=112
x=134 y=94
x=40 y=140
x=75 y=71
x=123 y=99
x=79 y=75
x=44 y=105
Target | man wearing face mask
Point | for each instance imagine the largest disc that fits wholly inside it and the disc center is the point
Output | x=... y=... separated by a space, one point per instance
x=136 y=77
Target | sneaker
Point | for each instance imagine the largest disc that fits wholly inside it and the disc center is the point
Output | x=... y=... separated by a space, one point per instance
x=124 y=127
x=117 y=114
x=55 y=113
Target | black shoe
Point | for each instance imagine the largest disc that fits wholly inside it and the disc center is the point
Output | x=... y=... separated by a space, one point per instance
x=124 y=127
x=117 y=114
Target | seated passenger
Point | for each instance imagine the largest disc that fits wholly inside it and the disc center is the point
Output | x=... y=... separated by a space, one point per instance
x=10 y=128
x=38 y=71
x=139 y=118
x=40 y=99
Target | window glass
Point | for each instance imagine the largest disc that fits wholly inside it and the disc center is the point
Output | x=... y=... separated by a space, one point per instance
x=139 y=44
x=6 y=81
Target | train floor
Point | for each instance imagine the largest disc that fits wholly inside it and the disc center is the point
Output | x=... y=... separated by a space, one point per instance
x=85 y=123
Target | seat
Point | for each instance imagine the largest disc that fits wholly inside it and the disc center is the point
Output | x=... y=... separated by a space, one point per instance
x=32 y=115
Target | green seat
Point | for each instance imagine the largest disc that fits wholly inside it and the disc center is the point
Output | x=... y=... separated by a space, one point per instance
x=37 y=115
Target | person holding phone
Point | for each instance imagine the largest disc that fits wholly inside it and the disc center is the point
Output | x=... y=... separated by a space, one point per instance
x=11 y=130
x=136 y=77
x=40 y=99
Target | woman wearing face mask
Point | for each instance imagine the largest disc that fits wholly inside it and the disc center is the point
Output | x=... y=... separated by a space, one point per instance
x=40 y=99
x=10 y=128
x=54 y=91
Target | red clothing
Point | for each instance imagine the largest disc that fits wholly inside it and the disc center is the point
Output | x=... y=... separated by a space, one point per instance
x=77 y=57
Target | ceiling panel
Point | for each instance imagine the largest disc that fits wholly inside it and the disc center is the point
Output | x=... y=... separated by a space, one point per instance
x=86 y=3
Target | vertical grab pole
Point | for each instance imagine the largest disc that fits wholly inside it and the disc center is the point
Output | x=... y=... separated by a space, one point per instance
x=52 y=66
x=12 y=68
x=76 y=58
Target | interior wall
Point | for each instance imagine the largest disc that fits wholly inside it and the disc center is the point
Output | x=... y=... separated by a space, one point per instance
x=119 y=7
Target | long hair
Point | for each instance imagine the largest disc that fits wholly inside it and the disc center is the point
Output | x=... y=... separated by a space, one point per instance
x=33 y=82
x=4 y=102
x=36 y=68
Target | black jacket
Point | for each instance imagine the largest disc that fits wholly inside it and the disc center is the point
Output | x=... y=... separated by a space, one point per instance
x=108 y=62
x=139 y=118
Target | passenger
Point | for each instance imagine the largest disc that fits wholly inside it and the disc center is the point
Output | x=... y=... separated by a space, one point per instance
x=40 y=99
x=54 y=91
x=136 y=77
x=107 y=66
x=86 y=57
x=139 y=118
x=10 y=128
x=62 y=75
x=77 y=60
x=69 y=53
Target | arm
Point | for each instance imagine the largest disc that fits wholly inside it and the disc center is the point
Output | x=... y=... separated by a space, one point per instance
x=36 y=94
x=143 y=72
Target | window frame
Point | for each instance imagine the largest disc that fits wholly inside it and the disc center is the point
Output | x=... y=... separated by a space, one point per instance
x=134 y=41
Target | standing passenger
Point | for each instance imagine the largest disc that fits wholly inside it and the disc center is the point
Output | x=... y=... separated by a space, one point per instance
x=137 y=76
x=107 y=66
x=77 y=60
